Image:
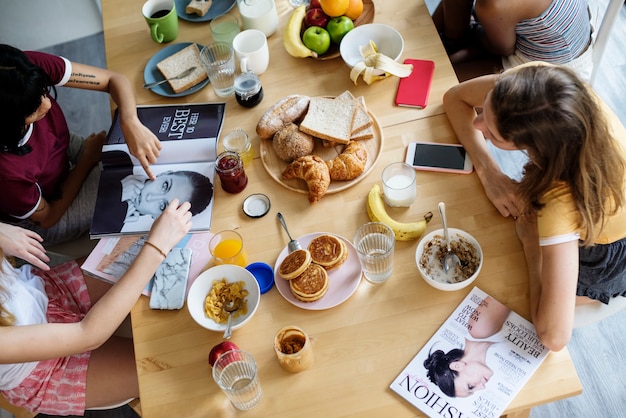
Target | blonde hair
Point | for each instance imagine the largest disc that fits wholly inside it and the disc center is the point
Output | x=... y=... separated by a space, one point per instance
x=553 y=115
x=6 y=317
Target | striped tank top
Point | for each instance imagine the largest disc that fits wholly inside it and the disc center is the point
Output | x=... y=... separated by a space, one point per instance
x=560 y=34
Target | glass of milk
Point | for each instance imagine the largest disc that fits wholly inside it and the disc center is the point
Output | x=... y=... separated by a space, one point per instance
x=399 y=188
x=259 y=14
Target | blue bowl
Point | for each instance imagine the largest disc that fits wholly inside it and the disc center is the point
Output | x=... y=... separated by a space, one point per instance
x=264 y=275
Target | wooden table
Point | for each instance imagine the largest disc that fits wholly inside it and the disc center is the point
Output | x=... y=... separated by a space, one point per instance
x=362 y=344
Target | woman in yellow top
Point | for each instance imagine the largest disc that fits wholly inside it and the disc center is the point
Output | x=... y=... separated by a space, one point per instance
x=569 y=203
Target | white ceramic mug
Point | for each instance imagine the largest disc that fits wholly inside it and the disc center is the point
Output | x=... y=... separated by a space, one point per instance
x=251 y=51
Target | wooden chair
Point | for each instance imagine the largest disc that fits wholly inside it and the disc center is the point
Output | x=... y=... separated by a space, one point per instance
x=602 y=35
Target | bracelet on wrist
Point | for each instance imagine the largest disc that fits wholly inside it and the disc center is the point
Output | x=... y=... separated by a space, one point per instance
x=156 y=248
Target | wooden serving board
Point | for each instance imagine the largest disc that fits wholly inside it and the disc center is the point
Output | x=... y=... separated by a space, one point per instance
x=366 y=17
x=275 y=166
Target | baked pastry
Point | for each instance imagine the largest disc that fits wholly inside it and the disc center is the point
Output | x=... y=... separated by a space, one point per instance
x=199 y=7
x=287 y=110
x=294 y=264
x=329 y=119
x=349 y=164
x=176 y=63
x=314 y=171
x=290 y=143
x=328 y=251
x=311 y=285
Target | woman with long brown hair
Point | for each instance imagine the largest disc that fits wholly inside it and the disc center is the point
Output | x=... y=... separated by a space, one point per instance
x=569 y=203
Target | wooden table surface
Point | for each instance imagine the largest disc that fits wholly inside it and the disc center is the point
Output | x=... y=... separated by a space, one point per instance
x=362 y=344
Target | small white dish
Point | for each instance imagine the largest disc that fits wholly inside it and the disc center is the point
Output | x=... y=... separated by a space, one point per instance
x=202 y=286
x=388 y=42
x=256 y=205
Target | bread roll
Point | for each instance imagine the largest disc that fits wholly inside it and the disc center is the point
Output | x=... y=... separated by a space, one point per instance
x=290 y=143
x=290 y=109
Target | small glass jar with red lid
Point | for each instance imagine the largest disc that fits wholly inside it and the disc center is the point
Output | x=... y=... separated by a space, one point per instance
x=230 y=170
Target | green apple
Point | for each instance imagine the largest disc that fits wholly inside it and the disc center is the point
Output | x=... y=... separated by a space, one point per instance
x=337 y=27
x=316 y=39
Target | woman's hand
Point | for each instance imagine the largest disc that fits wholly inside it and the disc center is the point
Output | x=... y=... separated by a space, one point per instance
x=25 y=244
x=501 y=191
x=142 y=143
x=171 y=226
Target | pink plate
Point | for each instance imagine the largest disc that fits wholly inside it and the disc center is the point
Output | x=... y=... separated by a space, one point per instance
x=342 y=281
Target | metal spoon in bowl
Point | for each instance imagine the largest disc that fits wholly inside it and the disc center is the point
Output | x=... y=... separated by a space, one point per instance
x=230 y=307
x=293 y=244
x=450 y=259
x=178 y=77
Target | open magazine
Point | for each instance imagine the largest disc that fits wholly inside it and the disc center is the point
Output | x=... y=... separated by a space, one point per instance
x=112 y=256
x=475 y=363
x=128 y=201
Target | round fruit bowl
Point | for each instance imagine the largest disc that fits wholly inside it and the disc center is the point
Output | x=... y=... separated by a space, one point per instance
x=366 y=17
x=202 y=286
x=388 y=41
x=431 y=247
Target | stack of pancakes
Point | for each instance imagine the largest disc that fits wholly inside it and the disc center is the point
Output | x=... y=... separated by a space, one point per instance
x=306 y=268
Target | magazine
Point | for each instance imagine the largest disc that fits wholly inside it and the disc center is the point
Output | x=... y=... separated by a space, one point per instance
x=128 y=201
x=112 y=256
x=475 y=363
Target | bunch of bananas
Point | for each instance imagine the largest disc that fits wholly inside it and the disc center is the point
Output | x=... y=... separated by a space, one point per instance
x=291 y=35
x=404 y=231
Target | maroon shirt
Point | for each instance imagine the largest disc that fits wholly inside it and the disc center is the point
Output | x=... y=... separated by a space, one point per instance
x=27 y=178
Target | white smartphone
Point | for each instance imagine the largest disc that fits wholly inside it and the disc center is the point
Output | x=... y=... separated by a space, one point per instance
x=449 y=158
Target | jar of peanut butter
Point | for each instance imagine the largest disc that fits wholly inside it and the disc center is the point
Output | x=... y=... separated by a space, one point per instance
x=293 y=349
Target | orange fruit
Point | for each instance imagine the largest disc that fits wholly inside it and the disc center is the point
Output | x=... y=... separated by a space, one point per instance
x=355 y=8
x=334 y=8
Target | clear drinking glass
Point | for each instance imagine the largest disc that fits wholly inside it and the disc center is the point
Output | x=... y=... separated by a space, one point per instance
x=374 y=243
x=219 y=60
x=399 y=188
x=235 y=372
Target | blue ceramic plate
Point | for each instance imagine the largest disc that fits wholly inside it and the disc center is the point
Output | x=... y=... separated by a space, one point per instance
x=219 y=7
x=152 y=74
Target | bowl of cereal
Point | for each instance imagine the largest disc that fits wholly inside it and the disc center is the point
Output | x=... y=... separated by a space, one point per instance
x=429 y=255
x=216 y=286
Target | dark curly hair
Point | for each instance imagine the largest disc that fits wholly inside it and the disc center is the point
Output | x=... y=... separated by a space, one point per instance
x=22 y=84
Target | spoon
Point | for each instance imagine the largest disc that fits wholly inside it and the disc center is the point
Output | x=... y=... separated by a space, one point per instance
x=450 y=259
x=293 y=244
x=178 y=77
x=230 y=307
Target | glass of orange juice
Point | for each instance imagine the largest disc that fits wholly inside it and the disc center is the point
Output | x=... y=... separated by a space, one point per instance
x=227 y=248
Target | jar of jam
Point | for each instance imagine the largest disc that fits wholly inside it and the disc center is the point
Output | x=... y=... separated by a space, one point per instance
x=230 y=170
x=248 y=89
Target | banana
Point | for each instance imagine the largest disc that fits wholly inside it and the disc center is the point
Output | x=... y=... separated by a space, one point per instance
x=376 y=66
x=291 y=35
x=404 y=231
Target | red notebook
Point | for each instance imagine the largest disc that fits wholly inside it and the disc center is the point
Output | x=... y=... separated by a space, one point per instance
x=413 y=90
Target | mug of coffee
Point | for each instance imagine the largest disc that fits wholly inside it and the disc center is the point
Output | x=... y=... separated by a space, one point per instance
x=162 y=19
x=251 y=51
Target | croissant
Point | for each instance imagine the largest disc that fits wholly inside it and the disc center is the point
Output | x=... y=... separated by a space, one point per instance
x=314 y=171
x=349 y=164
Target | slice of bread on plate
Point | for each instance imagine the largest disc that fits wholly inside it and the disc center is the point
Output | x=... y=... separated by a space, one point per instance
x=176 y=63
x=329 y=119
x=362 y=119
x=199 y=7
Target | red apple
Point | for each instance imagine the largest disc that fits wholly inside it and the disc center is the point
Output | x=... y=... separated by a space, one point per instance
x=220 y=349
x=315 y=17
x=315 y=4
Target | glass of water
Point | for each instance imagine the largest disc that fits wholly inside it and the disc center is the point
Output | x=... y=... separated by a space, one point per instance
x=374 y=242
x=235 y=372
